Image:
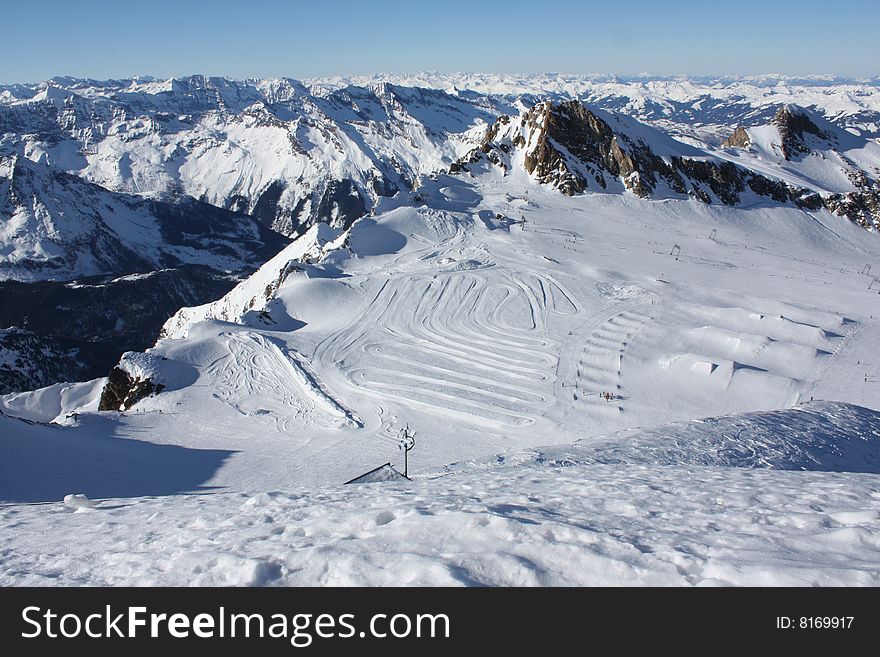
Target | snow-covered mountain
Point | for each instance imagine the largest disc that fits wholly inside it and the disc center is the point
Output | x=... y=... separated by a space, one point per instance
x=575 y=150
x=806 y=150
x=703 y=109
x=629 y=354
x=57 y=226
x=135 y=259
x=293 y=153
x=272 y=149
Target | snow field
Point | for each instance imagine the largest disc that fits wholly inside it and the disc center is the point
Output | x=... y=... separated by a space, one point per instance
x=455 y=350
x=257 y=379
x=515 y=526
x=492 y=342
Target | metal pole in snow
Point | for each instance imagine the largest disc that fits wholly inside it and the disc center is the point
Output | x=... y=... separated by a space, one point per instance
x=406 y=442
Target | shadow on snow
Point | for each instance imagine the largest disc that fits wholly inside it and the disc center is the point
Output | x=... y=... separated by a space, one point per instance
x=43 y=463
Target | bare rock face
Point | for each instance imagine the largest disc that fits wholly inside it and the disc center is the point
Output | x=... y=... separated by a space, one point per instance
x=544 y=159
x=793 y=124
x=739 y=139
x=725 y=179
x=863 y=207
x=569 y=146
x=124 y=390
x=573 y=149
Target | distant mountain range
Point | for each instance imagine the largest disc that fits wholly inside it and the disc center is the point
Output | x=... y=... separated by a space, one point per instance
x=292 y=153
x=112 y=178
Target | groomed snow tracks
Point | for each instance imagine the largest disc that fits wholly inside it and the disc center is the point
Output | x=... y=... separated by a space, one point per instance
x=467 y=344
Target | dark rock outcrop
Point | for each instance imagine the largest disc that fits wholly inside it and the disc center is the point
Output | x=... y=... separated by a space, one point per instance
x=123 y=391
x=863 y=207
x=793 y=124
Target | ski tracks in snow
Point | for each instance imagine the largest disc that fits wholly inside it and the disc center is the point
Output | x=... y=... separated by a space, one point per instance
x=257 y=378
x=471 y=344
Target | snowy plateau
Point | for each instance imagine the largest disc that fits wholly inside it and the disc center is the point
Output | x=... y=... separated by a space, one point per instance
x=632 y=323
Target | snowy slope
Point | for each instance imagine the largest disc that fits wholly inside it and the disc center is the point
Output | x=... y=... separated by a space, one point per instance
x=557 y=357
x=816 y=436
x=57 y=226
x=515 y=523
x=447 y=314
x=53 y=402
x=489 y=340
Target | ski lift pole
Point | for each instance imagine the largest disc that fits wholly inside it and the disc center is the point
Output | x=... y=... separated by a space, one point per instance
x=406 y=441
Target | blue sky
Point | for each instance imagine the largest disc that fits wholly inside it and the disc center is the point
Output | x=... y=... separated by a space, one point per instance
x=102 y=39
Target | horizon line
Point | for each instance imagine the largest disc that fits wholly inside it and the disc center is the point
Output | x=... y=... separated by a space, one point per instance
x=644 y=75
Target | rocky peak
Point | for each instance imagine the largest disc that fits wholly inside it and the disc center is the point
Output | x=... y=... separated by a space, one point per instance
x=582 y=134
x=543 y=158
x=794 y=123
x=565 y=145
x=739 y=139
x=574 y=149
x=570 y=147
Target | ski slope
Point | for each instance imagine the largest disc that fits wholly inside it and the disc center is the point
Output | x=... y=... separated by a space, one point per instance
x=513 y=329
x=578 y=322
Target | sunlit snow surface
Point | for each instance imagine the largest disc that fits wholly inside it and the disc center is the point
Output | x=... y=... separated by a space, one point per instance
x=515 y=525
x=494 y=342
